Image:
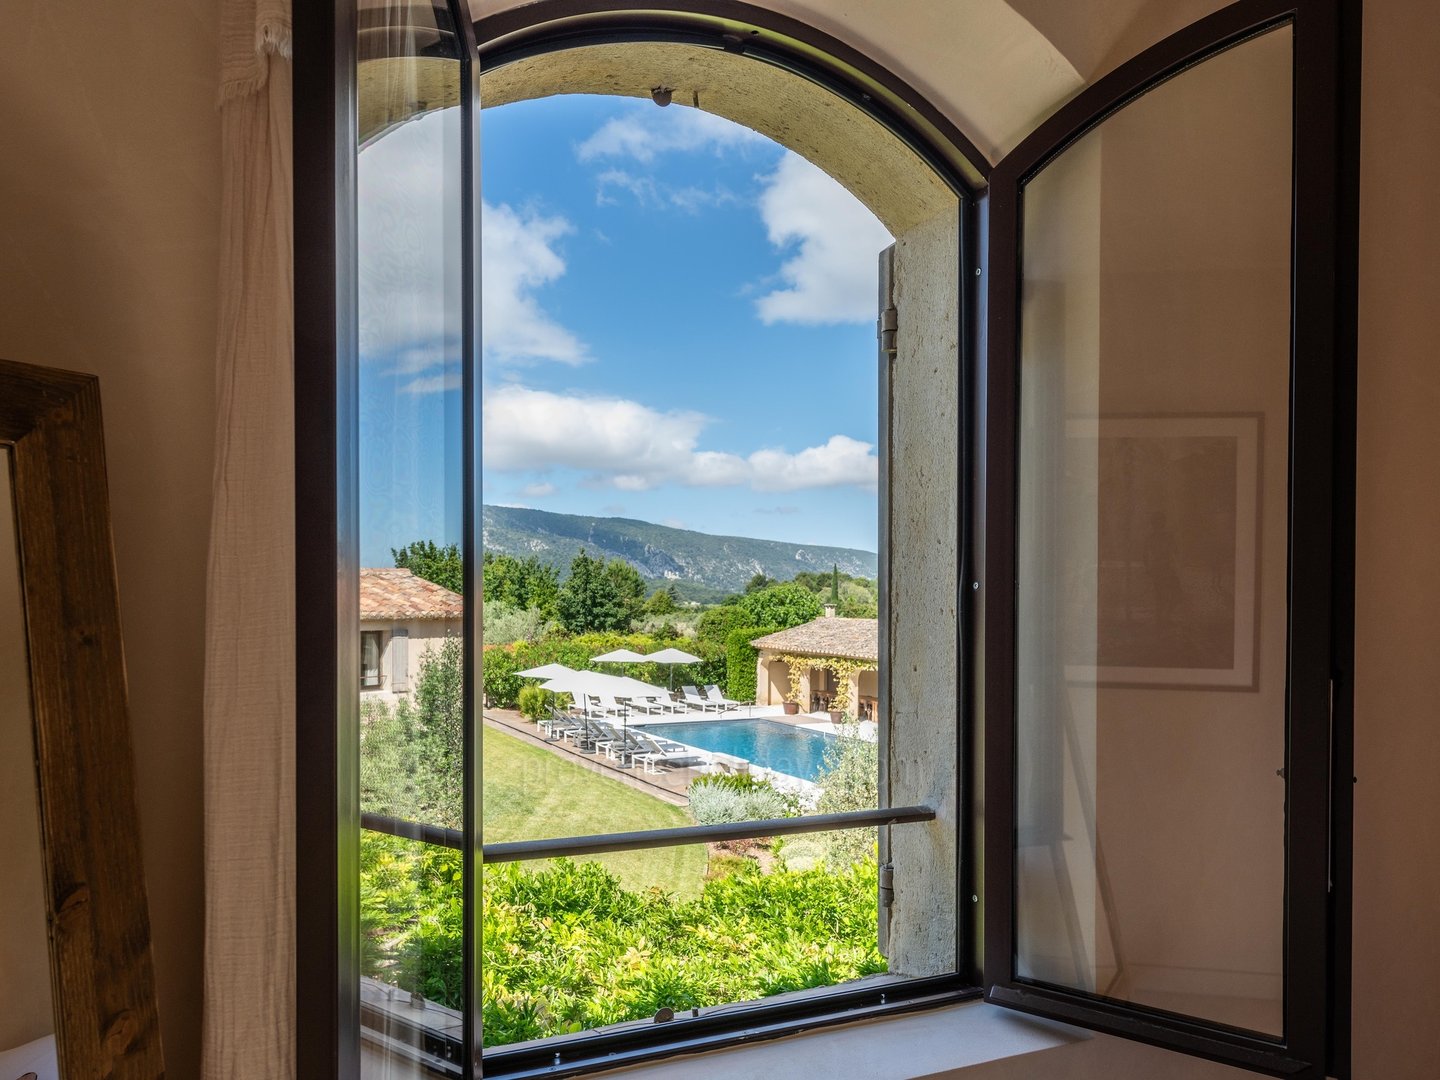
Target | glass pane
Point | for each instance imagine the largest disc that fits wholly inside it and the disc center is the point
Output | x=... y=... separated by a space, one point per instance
x=409 y=178
x=1152 y=559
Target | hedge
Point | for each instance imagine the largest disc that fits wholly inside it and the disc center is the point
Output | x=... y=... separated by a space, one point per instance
x=740 y=658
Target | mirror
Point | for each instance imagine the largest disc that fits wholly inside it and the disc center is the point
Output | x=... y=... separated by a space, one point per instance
x=77 y=999
x=25 y=1017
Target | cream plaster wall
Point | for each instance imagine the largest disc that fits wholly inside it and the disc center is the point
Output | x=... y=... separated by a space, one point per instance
x=109 y=196
x=425 y=636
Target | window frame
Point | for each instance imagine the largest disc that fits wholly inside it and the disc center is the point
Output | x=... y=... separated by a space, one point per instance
x=377 y=681
x=1320 y=549
x=326 y=521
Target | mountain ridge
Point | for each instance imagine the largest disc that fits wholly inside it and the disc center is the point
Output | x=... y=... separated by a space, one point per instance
x=661 y=553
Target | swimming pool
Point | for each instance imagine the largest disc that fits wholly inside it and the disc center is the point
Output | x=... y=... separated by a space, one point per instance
x=790 y=750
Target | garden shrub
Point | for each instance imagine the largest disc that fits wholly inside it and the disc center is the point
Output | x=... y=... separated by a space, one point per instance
x=711 y=804
x=532 y=702
x=849 y=780
x=505 y=624
x=565 y=947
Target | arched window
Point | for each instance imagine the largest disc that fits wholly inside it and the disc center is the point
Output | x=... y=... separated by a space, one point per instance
x=1112 y=685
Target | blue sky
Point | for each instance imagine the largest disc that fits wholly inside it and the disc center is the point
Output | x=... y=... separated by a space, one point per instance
x=678 y=325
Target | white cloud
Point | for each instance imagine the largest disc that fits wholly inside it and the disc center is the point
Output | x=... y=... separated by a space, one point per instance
x=536 y=429
x=629 y=446
x=663 y=131
x=690 y=198
x=537 y=491
x=832 y=277
x=517 y=257
x=406 y=255
x=403 y=191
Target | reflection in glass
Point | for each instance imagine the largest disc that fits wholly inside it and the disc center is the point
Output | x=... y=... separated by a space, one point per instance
x=25 y=1009
x=1155 y=353
x=409 y=179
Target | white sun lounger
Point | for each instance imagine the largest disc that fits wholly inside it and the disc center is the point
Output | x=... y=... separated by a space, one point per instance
x=712 y=693
x=696 y=700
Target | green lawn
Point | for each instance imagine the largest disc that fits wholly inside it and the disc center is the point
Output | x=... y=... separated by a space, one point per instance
x=531 y=794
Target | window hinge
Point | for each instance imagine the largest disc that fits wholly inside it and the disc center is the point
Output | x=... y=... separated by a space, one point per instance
x=887 y=328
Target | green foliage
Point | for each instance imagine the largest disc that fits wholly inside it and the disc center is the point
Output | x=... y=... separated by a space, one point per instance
x=428 y=560
x=629 y=586
x=590 y=599
x=439 y=724
x=740 y=658
x=849 y=780
x=662 y=601
x=716 y=623
x=712 y=804
x=835 y=586
x=526 y=584
x=532 y=702
x=505 y=625
x=565 y=947
x=758 y=582
x=411 y=753
x=781 y=605
x=393 y=780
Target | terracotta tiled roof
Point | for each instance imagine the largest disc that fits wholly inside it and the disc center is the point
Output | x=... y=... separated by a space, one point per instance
x=853 y=639
x=399 y=594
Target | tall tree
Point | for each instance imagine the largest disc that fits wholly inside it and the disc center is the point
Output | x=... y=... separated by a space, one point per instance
x=629 y=587
x=781 y=605
x=662 y=601
x=758 y=582
x=428 y=560
x=524 y=584
x=588 y=600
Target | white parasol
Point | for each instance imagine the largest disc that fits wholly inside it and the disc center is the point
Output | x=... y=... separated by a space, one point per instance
x=671 y=657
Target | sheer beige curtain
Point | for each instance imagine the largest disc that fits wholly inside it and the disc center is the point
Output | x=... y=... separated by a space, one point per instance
x=250 y=648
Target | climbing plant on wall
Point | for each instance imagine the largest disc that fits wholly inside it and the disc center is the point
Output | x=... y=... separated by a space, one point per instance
x=839 y=666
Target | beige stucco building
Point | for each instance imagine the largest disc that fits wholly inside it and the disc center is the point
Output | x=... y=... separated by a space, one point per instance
x=829 y=638
x=402 y=618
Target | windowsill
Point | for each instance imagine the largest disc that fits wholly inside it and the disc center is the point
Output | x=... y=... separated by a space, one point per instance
x=914 y=1046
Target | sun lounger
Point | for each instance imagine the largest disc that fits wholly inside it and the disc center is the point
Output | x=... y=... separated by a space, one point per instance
x=651 y=751
x=696 y=700
x=712 y=693
x=558 y=726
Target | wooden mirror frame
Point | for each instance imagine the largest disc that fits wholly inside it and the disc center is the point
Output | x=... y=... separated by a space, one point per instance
x=101 y=977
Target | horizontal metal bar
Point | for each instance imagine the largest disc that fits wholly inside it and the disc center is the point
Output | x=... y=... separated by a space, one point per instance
x=524 y=850
x=437 y=835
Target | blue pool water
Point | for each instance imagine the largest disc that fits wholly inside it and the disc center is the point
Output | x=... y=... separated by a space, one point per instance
x=790 y=750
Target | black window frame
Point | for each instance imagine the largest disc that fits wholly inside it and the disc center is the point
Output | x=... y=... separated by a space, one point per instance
x=1319 y=716
x=328 y=1009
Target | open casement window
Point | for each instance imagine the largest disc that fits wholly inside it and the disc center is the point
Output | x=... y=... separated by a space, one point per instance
x=1163 y=593
x=1153 y=451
